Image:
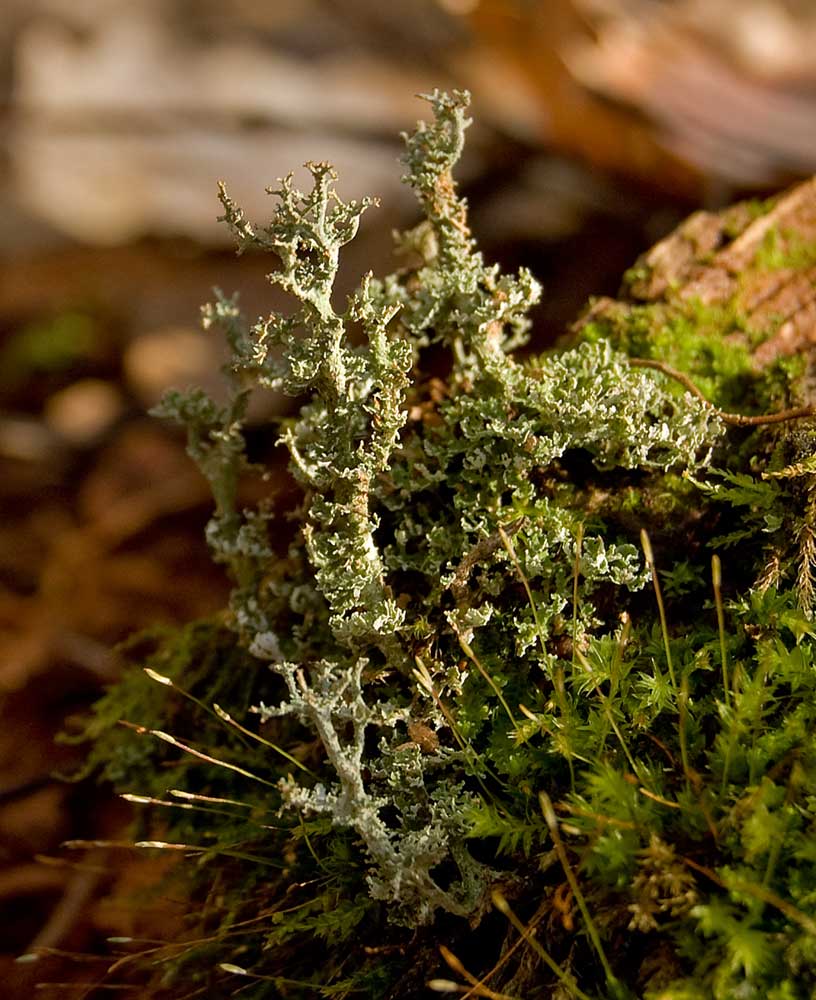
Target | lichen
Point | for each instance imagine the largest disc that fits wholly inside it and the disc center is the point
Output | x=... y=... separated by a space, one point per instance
x=465 y=683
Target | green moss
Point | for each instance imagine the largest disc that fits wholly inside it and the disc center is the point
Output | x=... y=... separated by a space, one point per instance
x=462 y=694
x=735 y=220
x=785 y=250
x=637 y=274
x=711 y=343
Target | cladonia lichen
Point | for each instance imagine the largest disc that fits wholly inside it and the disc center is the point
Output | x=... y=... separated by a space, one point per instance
x=465 y=689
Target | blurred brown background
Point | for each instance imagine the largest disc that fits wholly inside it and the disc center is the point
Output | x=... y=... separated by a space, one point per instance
x=600 y=124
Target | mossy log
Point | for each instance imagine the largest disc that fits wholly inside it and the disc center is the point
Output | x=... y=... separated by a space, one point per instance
x=756 y=260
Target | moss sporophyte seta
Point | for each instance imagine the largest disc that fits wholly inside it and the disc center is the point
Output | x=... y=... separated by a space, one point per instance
x=527 y=707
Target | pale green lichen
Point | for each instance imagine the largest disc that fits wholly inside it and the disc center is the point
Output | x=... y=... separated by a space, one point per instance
x=460 y=635
x=512 y=419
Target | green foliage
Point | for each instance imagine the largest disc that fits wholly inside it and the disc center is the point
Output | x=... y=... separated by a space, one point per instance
x=457 y=681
